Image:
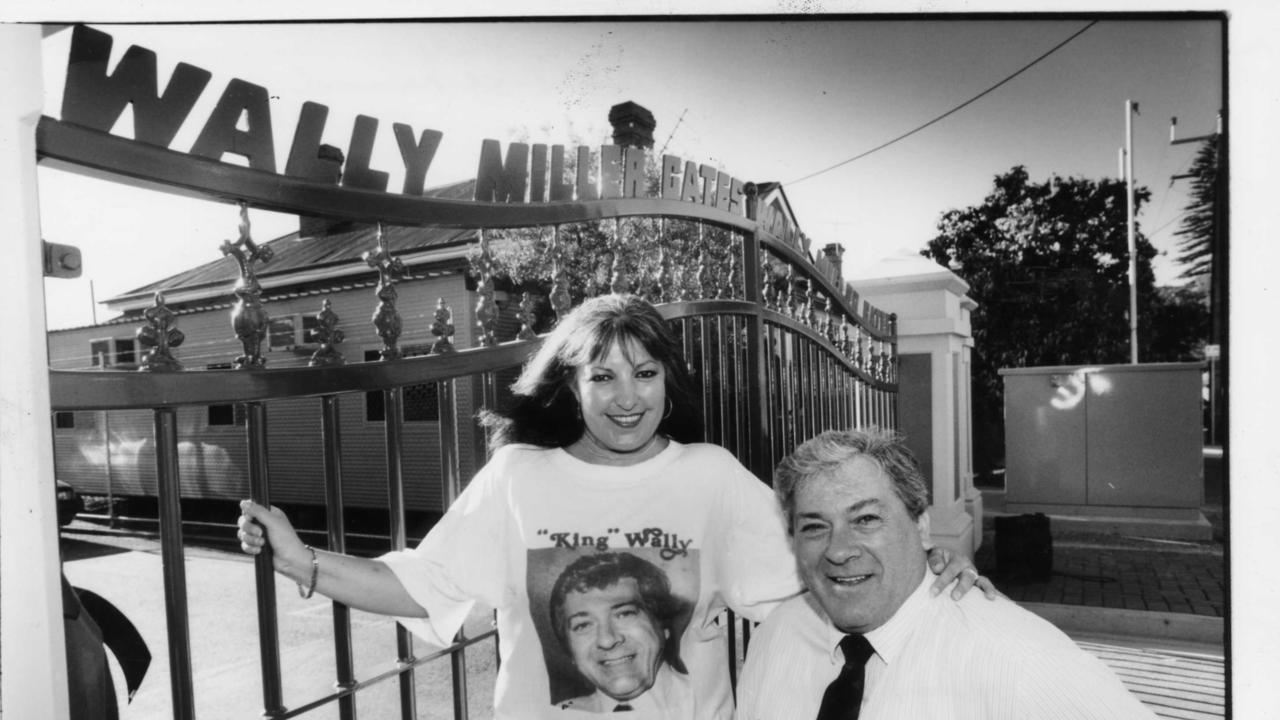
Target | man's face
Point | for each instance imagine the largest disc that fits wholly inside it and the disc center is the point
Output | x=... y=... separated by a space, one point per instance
x=859 y=551
x=613 y=640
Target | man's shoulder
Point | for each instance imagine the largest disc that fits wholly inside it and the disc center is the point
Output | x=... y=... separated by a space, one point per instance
x=1003 y=625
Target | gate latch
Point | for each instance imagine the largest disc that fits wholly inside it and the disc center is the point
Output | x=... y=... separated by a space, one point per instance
x=61 y=261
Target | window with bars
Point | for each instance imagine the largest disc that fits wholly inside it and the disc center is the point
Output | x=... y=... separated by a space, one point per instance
x=421 y=402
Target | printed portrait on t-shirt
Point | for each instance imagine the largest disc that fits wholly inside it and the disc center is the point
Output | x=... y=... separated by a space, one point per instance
x=610 y=622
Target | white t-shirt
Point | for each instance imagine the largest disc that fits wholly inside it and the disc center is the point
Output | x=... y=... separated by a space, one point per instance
x=692 y=511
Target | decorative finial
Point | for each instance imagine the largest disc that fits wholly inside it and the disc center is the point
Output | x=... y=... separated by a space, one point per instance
x=248 y=318
x=328 y=333
x=527 y=318
x=160 y=335
x=386 y=318
x=486 y=309
x=442 y=328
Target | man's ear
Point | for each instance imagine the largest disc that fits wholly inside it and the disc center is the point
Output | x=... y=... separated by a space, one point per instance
x=922 y=525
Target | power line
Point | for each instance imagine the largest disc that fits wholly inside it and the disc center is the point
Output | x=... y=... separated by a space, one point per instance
x=673 y=132
x=953 y=110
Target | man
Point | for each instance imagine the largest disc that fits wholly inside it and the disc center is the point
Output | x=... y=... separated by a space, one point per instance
x=613 y=613
x=855 y=505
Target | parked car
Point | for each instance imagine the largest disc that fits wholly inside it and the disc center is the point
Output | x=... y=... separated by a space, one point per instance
x=70 y=503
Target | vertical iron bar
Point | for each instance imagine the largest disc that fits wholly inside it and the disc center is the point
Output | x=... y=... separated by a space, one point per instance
x=756 y=355
x=451 y=487
x=331 y=442
x=724 y=346
x=393 y=401
x=175 y=575
x=714 y=426
x=268 y=632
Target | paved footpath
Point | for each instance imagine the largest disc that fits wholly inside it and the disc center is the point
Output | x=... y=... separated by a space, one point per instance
x=1177 y=678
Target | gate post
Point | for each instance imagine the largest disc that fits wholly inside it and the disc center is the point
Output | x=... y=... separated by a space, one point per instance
x=934 y=412
x=33 y=664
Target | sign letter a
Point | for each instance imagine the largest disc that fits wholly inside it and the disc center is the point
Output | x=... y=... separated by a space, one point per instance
x=220 y=134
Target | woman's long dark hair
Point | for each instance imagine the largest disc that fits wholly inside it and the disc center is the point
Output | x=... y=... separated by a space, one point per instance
x=544 y=411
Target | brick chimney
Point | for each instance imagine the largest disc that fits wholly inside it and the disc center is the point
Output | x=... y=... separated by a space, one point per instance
x=633 y=125
x=327 y=169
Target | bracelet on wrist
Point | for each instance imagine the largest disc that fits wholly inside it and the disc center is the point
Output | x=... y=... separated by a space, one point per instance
x=315 y=573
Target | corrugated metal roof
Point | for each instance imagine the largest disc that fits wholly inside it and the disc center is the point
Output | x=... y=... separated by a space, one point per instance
x=343 y=245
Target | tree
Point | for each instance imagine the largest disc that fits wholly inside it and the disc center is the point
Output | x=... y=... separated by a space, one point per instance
x=1047 y=264
x=1199 y=225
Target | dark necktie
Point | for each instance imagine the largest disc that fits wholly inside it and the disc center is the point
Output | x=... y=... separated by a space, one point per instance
x=622 y=707
x=843 y=698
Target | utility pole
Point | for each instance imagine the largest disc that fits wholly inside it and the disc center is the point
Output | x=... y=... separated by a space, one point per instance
x=1131 y=109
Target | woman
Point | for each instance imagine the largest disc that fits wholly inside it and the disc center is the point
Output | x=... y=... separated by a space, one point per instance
x=598 y=454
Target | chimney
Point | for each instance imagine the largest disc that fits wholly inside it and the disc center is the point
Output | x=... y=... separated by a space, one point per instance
x=834 y=255
x=326 y=169
x=633 y=125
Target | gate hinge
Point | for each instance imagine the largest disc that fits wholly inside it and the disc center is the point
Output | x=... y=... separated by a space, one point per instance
x=61 y=261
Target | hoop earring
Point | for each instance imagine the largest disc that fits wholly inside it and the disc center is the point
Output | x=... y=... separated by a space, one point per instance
x=671 y=406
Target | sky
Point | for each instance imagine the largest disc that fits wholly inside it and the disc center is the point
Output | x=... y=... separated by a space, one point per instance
x=772 y=99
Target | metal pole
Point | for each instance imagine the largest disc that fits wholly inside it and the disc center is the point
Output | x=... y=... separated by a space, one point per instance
x=1133 y=255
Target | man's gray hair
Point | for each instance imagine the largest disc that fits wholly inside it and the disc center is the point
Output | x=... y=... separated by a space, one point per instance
x=825 y=453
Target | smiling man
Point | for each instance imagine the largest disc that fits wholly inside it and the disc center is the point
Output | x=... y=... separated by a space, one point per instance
x=614 y=614
x=870 y=641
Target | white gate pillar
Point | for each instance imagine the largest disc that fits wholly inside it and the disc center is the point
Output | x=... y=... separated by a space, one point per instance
x=33 y=669
x=934 y=411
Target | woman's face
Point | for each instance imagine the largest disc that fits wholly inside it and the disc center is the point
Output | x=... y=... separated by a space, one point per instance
x=622 y=401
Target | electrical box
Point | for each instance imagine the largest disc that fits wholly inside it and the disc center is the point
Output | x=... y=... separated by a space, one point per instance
x=1109 y=436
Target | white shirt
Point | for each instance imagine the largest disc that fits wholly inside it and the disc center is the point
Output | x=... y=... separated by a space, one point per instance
x=971 y=659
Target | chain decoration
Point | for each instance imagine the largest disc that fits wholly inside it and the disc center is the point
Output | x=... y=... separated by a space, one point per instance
x=328 y=333
x=386 y=318
x=527 y=318
x=730 y=287
x=160 y=335
x=660 y=275
x=248 y=318
x=442 y=328
x=618 y=274
x=702 y=278
x=559 y=284
x=486 y=308
x=810 y=316
x=793 y=295
x=768 y=293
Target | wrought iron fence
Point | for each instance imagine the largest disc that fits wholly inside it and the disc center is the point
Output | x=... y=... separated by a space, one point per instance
x=780 y=348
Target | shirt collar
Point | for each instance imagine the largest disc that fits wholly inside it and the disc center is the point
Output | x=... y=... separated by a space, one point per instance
x=670 y=690
x=888 y=639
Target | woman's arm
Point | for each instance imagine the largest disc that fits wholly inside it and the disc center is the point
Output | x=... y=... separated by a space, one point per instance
x=360 y=583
